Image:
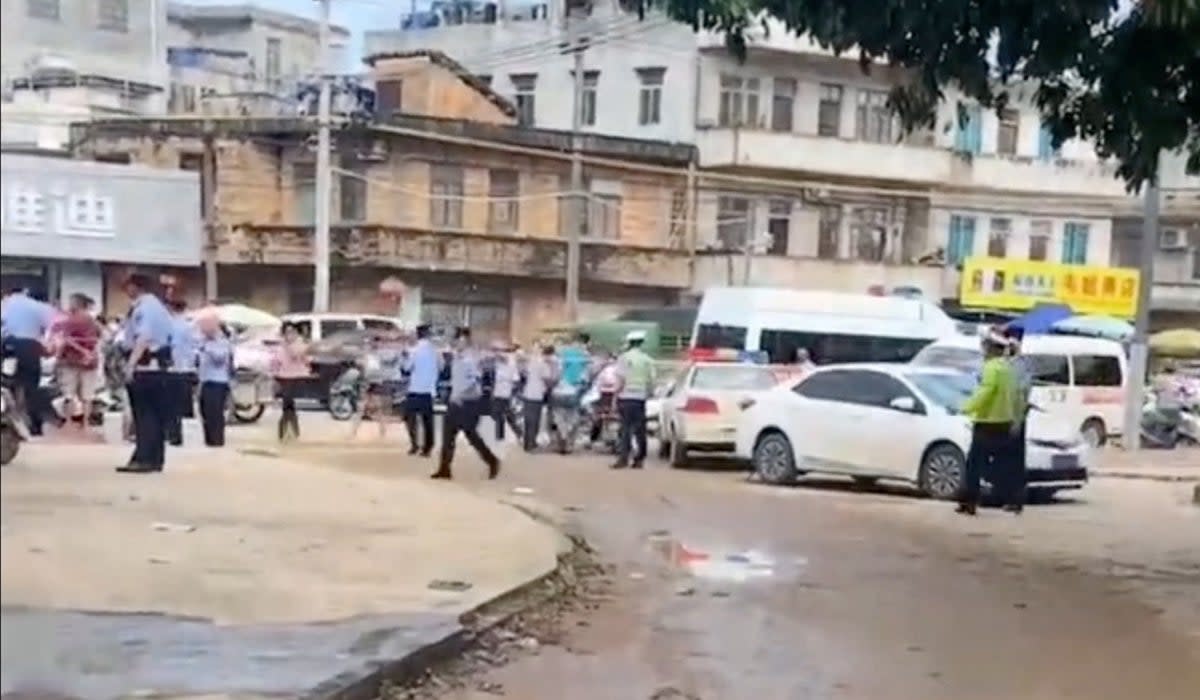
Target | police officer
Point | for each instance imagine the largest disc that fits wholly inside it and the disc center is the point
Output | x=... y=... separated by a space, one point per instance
x=635 y=373
x=25 y=321
x=181 y=379
x=148 y=337
x=464 y=407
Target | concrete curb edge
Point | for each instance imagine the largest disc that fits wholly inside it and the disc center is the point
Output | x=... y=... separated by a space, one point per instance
x=1146 y=476
x=366 y=684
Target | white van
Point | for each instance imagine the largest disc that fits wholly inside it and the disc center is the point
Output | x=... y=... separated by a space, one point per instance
x=834 y=327
x=316 y=326
x=1081 y=378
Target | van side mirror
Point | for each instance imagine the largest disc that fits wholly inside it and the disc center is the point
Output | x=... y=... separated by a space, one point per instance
x=904 y=403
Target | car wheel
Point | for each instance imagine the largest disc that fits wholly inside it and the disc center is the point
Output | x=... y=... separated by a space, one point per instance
x=942 y=470
x=248 y=414
x=1041 y=497
x=773 y=459
x=679 y=455
x=1094 y=433
x=664 y=444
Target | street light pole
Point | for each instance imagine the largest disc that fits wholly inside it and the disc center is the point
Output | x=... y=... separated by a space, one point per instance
x=324 y=174
x=1139 y=350
x=578 y=201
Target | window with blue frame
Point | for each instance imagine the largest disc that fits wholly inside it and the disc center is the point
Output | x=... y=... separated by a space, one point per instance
x=969 y=136
x=1046 y=149
x=1075 y=243
x=961 y=241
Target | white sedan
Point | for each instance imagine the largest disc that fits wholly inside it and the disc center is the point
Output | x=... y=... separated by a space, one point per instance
x=892 y=421
x=700 y=410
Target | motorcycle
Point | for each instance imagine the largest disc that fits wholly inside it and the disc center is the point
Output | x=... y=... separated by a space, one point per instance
x=13 y=430
x=249 y=395
x=602 y=419
x=344 y=393
x=1160 y=428
x=566 y=418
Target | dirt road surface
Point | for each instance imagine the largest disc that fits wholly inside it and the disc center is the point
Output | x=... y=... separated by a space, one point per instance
x=727 y=590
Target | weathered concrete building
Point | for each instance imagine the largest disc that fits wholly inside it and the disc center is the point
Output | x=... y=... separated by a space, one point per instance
x=470 y=211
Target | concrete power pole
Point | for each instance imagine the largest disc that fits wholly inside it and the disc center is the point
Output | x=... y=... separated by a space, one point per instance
x=1139 y=349
x=578 y=199
x=324 y=174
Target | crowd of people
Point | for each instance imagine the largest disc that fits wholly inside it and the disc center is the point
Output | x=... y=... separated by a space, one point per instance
x=165 y=361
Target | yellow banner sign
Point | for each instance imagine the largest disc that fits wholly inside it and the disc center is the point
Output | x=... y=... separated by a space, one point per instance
x=1018 y=285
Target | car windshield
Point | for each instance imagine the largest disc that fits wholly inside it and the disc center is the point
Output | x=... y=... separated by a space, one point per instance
x=733 y=377
x=965 y=359
x=948 y=390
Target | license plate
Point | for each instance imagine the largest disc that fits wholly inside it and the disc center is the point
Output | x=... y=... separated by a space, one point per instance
x=1064 y=461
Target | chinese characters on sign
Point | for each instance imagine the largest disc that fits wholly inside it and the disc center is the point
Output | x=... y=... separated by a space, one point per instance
x=83 y=213
x=1018 y=285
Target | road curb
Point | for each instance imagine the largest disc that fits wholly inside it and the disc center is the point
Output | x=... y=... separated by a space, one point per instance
x=1147 y=476
x=367 y=683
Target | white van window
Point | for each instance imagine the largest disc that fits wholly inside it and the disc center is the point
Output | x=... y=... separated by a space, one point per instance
x=329 y=326
x=304 y=328
x=378 y=324
x=1049 y=369
x=1097 y=370
x=831 y=348
x=712 y=336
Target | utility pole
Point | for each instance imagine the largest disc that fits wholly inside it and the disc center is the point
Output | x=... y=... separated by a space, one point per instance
x=324 y=172
x=578 y=198
x=208 y=194
x=1139 y=347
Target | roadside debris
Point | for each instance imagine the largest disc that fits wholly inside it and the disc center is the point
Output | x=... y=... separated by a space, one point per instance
x=173 y=527
x=452 y=586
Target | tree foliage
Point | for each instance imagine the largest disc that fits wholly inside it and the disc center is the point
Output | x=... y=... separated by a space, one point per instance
x=1125 y=77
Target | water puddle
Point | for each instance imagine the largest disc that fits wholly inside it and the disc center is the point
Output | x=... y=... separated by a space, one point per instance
x=722 y=564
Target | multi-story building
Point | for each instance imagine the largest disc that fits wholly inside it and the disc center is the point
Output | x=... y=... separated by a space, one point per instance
x=241 y=59
x=66 y=60
x=468 y=209
x=71 y=225
x=796 y=143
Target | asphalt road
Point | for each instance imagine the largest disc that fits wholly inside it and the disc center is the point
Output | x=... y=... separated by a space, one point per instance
x=725 y=589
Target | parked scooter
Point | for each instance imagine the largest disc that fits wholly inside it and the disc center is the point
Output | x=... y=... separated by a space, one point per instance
x=566 y=418
x=344 y=393
x=13 y=428
x=1160 y=427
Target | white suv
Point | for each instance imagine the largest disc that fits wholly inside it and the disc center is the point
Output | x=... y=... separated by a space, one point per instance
x=315 y=326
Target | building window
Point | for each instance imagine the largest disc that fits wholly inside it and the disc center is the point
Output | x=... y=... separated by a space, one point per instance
x=504 y=186
x=445 y=196
x=352 y=192
x=273 y=61
x=829 y=111
x=650 y=95
x=1196 y=262
x=112 y=15
x=874 y=117
x=868 y=231
x=1007 y=133
x=998 y=237
x=604 y=216
x=524 y=85
x=1046 y=149
x=829 y=234
x=304 y=193
x=733 y=222
x=1075 y=243
x=960 y=244
x=591 y=81
x=43 y=9
x=739 y=101
x=779 y=222
x=182 y=99
x=968 y=138
x=389 y=98
x=783 y=104
x=1039 y=240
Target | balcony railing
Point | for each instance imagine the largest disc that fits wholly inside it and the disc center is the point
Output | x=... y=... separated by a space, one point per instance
x=485 y=254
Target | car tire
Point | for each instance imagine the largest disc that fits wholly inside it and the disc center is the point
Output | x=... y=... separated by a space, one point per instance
x=773 y=459
x=1041 y=497
x=679 y=453
x=1094 y=433
x=942 y=470
x=664 y=443
x=245 y=415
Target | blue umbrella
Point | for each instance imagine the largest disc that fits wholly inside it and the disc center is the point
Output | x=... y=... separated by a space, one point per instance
x=1095 y=326
x=1041 y=318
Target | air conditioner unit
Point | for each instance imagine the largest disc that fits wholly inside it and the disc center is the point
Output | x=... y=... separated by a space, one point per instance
x=1172 y=239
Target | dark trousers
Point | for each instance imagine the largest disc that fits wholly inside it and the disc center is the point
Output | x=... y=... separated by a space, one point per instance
x=633 y=427
x=463 y=418
x=289 y=420
x=28 y=378
x=1008 y=473
x=150 y=402
x=179 y=384
x=990 y=443
x=532 y=419
x=419 y=407
x=502 y=414
x=214 y=397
